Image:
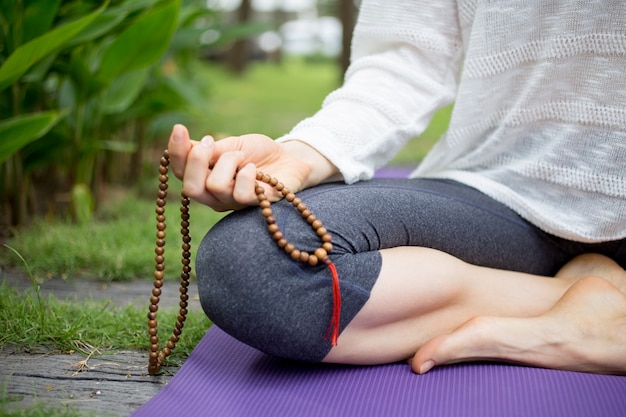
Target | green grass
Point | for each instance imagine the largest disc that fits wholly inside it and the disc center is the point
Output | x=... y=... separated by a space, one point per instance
x=38 y=410
x=71 y=325
x=118 y=245
x=268 y=99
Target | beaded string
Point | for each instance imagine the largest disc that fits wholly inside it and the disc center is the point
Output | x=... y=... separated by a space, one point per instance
x=156 y=357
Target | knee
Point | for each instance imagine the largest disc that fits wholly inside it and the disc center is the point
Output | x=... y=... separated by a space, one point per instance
x=254 y=292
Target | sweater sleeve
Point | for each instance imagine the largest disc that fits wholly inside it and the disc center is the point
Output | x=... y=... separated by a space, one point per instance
x=406 y=57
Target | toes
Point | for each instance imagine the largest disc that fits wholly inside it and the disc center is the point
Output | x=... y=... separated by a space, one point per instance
x=480 y=338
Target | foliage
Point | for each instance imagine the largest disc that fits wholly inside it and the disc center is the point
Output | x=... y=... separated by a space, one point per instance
x=80 y=81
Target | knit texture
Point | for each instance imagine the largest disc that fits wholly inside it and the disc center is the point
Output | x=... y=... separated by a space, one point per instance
x=539 y=122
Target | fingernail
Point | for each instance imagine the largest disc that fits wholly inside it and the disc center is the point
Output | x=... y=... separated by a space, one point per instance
x=177 y=136
x=207 y=141
x=427 y=366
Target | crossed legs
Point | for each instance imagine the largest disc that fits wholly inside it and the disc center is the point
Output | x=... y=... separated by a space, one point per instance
x=401 y=299
x=448 y=311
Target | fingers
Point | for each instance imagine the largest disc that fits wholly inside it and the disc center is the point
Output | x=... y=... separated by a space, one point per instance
x=230 y=186
x=196 y=171
x=217 y=174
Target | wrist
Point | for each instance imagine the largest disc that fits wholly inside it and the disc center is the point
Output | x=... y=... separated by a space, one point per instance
x=320 y=167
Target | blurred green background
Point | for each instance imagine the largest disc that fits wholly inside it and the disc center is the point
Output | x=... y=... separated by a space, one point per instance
x=89 y=91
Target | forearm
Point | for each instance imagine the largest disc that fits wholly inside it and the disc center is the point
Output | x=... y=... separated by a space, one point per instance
x=400 y=74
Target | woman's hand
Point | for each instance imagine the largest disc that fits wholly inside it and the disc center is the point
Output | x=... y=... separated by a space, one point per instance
x=222 y=174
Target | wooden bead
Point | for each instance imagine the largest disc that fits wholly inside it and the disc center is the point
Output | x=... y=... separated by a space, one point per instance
x=320 y=253
x=312 y=260
x=289 y=248
x=295 y=255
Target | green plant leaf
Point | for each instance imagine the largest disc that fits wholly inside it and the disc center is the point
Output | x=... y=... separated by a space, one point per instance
x=142 y=43
x=19 y=131
x=31 y=52
x=109 y=19
x=123 y=91
x=38 y=18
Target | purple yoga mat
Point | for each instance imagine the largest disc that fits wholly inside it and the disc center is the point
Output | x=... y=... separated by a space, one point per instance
x=223 y=377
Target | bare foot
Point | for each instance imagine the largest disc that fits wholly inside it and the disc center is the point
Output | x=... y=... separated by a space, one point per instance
x=593 y=264
x=584 y=331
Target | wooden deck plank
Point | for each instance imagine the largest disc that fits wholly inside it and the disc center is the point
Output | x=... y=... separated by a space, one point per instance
x=108 y=385
x=112 y=384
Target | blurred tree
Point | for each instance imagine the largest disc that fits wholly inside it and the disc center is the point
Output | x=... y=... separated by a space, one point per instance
x=347 y=15
x=239 y=53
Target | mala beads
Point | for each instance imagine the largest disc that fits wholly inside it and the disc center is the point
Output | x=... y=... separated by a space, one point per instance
x=320 y=254
x=157 y=357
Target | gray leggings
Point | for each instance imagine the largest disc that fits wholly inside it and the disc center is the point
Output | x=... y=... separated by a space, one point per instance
x=256 y=293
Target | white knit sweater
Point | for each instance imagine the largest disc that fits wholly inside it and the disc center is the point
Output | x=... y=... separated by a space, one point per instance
x=539 y=87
